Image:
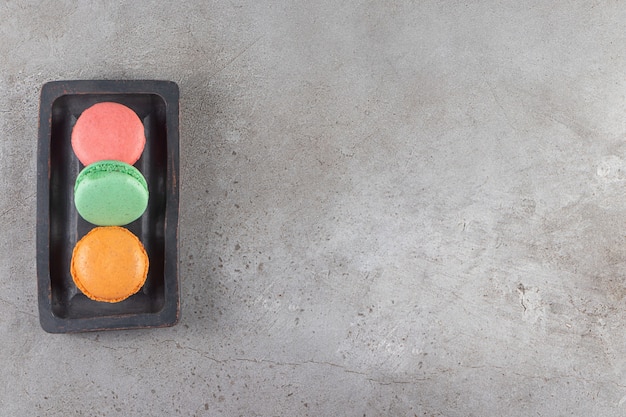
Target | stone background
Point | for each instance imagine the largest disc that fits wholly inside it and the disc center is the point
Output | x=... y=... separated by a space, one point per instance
x=388 y=208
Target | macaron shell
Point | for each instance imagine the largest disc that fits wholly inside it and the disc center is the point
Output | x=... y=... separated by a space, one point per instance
x=110 y=193
x=108 y=131
x=109 y=264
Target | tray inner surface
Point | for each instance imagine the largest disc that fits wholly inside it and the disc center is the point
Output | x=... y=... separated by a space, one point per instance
x=66 y=225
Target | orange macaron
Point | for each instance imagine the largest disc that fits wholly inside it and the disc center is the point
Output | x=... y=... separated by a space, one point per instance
x=109 y=264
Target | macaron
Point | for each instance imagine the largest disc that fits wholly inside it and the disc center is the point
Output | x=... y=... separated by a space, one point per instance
x=109 y=264
x=108 y=131
x=110 y=193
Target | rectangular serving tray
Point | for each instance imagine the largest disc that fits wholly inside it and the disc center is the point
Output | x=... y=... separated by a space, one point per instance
x=62 y=307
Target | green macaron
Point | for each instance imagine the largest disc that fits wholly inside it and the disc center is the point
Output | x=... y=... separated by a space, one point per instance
x=110 y=193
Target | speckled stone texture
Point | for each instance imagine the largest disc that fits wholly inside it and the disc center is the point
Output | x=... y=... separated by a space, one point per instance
x=388 y=208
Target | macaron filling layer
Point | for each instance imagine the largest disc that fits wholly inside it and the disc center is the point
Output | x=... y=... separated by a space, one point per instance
x=101 y=169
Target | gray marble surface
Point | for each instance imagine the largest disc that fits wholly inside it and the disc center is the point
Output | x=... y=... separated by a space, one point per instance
x=411 y=208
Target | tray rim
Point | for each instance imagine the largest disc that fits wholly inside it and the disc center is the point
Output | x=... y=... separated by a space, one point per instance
x=169 y=315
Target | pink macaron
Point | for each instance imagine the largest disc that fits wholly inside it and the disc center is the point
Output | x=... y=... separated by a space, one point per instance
x=108 y=131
